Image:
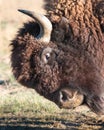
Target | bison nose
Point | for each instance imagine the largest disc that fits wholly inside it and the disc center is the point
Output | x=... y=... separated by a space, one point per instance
x=69 y=98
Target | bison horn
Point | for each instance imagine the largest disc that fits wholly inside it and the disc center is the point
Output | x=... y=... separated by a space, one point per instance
x=44 y=24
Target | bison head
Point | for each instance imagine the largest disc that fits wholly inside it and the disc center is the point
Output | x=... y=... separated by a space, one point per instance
x=60 y=73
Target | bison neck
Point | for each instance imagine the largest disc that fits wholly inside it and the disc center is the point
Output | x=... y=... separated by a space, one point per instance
x=84 y=27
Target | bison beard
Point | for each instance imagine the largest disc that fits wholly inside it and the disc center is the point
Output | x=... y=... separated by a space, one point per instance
x=67 y=71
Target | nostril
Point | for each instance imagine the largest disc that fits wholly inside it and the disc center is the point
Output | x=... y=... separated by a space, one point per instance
x=69 y=98
x=63 y=96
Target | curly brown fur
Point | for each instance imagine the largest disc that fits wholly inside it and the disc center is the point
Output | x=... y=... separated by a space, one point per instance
x=80 y=15
x=24 y=68
x=29 y=49
x=67 y=67
x=58 y=8
x=83 y=27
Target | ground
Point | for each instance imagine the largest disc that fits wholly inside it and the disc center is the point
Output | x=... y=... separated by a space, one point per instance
x=22 y=108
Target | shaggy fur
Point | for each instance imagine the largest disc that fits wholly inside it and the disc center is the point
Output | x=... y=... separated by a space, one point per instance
x=72 y=8
x=67 y=67
x=30 y=70
x=84 y=26
x=77 y=53
x=82 y=20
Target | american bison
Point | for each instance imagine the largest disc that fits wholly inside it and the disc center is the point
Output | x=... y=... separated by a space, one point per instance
x=65 y=62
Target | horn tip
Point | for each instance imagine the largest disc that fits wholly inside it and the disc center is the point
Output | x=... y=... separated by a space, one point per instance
x=23 y=11
x=19 y=10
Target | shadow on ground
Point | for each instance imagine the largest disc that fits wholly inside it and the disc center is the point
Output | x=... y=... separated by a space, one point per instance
x=23 y=128
x=25 y=123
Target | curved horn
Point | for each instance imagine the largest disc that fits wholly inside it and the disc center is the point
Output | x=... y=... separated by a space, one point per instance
x=44 y=23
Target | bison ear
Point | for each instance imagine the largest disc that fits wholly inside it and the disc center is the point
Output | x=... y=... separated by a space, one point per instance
x=64 y=23
x=44 y=24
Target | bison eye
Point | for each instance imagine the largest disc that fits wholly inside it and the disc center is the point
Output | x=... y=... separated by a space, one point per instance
x=47 y=56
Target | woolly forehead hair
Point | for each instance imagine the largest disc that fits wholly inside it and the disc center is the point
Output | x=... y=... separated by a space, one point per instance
x=30 y=44
x=27 y=42
x=58 y=8
x=24 y=48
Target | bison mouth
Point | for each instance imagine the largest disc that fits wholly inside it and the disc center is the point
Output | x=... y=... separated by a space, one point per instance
x=68 y=98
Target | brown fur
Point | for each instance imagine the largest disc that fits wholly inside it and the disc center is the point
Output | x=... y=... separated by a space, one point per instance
x=77 y=59
x=83 y=27
x=74 y=10
x=71 y=67
x=82 y=20
x=24 y=68
x=86 y=23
